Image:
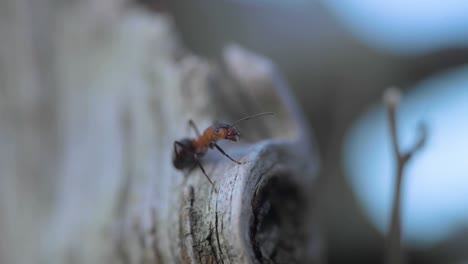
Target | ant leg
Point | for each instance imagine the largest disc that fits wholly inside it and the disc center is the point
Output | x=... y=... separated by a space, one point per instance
x=225 y=154
x=195 y=128
x=180 y=145
x=175 y=148
x=204 y=172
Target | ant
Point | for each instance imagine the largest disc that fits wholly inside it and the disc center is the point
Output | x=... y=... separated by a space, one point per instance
x=187 y=151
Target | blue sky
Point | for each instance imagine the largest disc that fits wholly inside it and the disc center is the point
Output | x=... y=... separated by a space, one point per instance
x=404 y=26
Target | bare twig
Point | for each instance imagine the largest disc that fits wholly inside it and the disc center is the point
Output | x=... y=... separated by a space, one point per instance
x=394 y=248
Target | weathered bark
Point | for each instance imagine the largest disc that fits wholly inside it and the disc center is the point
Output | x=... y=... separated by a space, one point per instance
x=93 y=95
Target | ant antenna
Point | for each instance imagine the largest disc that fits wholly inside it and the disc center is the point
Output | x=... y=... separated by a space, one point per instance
x=252 y=116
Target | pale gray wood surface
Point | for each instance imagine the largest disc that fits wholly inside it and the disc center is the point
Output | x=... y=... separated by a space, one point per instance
x=93 y=95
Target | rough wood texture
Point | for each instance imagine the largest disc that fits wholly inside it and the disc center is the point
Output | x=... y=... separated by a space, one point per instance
x=93 y=94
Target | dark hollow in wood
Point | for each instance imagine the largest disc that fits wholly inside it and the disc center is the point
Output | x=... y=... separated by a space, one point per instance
x=278 y=214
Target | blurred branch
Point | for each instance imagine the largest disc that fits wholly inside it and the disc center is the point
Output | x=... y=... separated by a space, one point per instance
x=391 y=99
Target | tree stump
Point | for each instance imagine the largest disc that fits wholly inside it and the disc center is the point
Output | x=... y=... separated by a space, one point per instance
x=93 y=96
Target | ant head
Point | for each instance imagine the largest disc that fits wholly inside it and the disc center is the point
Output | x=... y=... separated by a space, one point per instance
x=226 y=131
x=232 y=134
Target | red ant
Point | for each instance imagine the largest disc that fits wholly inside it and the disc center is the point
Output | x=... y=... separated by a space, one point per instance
x=190 y=150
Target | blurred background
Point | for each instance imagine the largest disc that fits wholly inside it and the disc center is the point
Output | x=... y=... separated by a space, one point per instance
x=339 y=56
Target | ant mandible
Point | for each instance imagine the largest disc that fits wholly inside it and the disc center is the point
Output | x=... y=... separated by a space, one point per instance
x=187 y=151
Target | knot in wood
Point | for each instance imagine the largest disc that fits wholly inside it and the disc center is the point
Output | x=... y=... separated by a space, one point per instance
x=277 y=228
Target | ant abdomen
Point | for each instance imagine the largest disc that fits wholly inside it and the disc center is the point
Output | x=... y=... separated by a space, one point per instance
x=183 y=156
